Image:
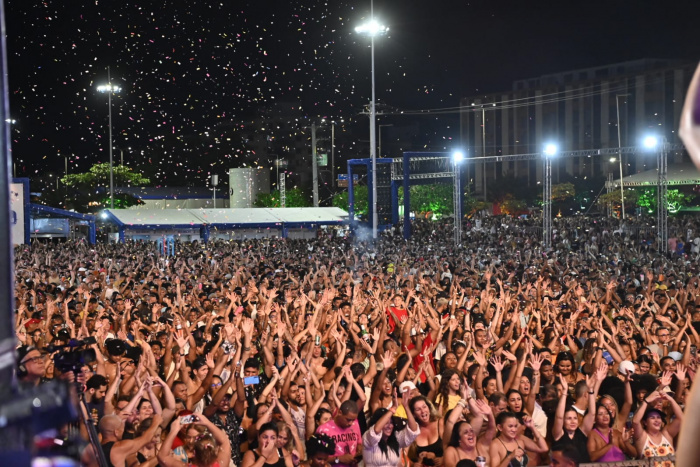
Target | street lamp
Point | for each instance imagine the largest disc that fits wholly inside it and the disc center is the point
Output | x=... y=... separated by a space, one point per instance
x=550 y=151
x=457 y=159
x=373 y=28
x=110 y=89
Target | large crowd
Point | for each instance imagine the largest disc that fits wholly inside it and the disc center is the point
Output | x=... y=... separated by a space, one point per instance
x=277 y=352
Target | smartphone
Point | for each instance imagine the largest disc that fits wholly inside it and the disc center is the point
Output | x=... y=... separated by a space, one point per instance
x=251 y=380
x=188 y=419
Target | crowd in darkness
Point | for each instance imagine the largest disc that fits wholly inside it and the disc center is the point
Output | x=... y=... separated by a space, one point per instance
x=334 y=351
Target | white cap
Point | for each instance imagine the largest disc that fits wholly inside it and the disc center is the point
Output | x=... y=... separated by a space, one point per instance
x=406 y=386
x=626 y=367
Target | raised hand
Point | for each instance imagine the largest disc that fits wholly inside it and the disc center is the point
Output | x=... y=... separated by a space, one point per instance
x=496 y=362
x=602 y=371
x=681 y=371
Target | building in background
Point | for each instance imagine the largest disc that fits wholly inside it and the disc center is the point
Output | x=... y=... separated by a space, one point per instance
x=577 y=110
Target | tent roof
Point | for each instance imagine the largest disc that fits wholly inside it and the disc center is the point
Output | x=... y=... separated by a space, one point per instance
x=314 y=215
x=234 y=217
x=677 y=174
x=141 y=217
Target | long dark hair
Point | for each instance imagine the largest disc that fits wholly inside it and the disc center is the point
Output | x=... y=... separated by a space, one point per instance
x=391 y=442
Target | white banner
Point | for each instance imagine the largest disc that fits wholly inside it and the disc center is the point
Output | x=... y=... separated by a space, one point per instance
x=17 y=212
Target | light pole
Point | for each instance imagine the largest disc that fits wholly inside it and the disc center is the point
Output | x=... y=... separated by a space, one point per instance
x=372 y=29
x=550 y=150
x=652 y=142
x=457 y=158
x=214 y=183
x=619 y=154
x=109 y=89
x=314 y=164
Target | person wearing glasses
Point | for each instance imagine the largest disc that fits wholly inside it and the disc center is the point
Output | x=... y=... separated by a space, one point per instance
x=663 y=338
x=31 y=367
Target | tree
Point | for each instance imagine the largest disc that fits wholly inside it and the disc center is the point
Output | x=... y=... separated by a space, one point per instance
x=341 y=200
x=647 y=197
x=98 y=175
x=512 y=206
x=435 y=198
x=89 y=191
x=294 y=198
x=563 y=191
x=614 y=198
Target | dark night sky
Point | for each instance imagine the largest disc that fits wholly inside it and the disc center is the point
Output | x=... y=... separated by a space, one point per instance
x=191 y=68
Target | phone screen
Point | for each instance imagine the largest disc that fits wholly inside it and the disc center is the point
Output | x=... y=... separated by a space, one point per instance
x=251 y=380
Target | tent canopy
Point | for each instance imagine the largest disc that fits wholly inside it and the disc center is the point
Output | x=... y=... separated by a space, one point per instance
x=677 y=174
x=225 y=218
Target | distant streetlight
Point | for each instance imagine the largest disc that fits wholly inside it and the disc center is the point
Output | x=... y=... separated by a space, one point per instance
x=372 y=28
x=110 y=89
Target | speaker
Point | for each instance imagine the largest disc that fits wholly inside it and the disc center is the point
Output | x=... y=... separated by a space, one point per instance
x=384 y=193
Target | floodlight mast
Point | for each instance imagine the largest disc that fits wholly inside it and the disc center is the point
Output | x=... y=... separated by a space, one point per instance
x=372 y=29
x=661 y=147
x=457 y=158
x=550 y=150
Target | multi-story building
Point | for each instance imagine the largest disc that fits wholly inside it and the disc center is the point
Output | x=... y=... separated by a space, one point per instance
x=580 y=109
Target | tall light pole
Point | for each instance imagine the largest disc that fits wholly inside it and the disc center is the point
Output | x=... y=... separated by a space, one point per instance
x=372 y=29
x=314 y=164
x=619 y=154
x=109 y=89
x=661 y=147
x=457 y=158
x=550 y=150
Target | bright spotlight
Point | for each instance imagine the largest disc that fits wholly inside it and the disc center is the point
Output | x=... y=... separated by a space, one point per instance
x=613 y=159
x=103 y=215
x=372 y=28
x=108 y=88
x=458 y=156
x=550 y=149
x=650 y=142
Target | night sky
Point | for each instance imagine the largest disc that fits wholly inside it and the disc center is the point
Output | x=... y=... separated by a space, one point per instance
x=194 y=73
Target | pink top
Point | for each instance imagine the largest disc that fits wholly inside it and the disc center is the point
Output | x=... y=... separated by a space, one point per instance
x=614 y=453
x=346 y=439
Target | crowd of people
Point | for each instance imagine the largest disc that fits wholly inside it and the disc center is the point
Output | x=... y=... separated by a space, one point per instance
x=277 y=352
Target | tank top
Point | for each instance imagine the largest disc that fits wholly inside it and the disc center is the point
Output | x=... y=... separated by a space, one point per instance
x=280 y=462
x=435 y=448
x=515 y=462
x=614 y=453
x=107 y=449
x=664 y=448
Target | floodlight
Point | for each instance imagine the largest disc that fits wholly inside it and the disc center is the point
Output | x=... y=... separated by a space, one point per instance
x=458 y=156
x=650 y=142
x=372 y=28
x=550 y=149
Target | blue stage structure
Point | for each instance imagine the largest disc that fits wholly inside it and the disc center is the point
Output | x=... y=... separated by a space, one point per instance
x=404 y=179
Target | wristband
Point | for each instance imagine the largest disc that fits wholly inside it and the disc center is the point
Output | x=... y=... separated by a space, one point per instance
x=370 y=354
x=591 y=392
